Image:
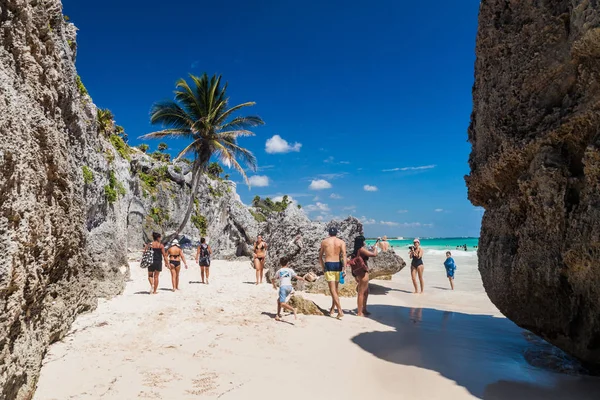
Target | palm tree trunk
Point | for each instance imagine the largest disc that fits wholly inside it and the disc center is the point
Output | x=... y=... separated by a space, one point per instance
x=197 y=170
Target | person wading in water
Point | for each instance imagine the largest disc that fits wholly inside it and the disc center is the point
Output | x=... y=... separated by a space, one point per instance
x=175 y=257
x=334 y=251
x=260 y=254
x=158 y=255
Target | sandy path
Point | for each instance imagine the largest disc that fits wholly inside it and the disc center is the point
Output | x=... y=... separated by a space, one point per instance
x=219 y=341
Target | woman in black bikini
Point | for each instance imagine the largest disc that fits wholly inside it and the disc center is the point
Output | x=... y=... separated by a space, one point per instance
x=175 y=257
x=416 y=265
x=260 y=253
x=362 y=279
x=158 y=255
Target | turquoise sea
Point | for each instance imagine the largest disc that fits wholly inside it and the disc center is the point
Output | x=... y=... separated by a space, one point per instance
x=433 y=243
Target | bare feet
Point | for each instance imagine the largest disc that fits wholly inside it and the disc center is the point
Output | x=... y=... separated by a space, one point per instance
x=415 y=292
x=295 y=313
x=331 y=311
x=278 y=318
x=421 y=292
x=340 y=316
x=360 y=314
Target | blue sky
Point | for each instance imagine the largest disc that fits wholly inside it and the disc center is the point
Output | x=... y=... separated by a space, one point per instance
x=376 y=94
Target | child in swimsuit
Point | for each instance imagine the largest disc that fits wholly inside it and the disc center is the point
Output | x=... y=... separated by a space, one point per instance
x=284 y=275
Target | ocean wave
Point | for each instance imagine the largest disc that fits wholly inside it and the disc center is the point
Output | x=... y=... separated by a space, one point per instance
x=455 y=253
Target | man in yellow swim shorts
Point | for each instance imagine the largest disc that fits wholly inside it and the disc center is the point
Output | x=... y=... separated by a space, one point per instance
x=334 y=265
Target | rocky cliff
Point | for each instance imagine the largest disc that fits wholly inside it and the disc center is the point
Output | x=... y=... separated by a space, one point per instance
x=74 y=197
x=535 y=166
x=60 y=238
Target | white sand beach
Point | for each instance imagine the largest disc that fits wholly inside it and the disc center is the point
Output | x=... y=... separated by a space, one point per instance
x=220 y=341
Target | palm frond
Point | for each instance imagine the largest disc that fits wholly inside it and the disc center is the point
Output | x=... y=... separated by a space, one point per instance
x=178 y=133
x=244 y=122
x=235 y=134
x=227 y=157
x=187 y=98
x=170 y=114
x=239 y=152
x=223 y=117
x=191 y=148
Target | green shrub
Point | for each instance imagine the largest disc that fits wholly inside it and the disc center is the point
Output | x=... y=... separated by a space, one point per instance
x=110 y=194
x=122 y=148
x=214 y=170
x=299 y=207
x=158 y=156
x=199 y=222
x=159 y=215
x=162 y=147
x=82 y=90
x=114 y=188
x=143 y=147
x=258 y=216
x=216 y=193
x=88 y=175
x=110 y=157
x=149 y=182
x=177 y=169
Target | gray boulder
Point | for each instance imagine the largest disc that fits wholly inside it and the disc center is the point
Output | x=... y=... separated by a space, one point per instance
x=535 y=167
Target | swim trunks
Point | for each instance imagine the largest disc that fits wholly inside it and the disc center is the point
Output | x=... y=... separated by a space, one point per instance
x=332 y=271
x=284 y=292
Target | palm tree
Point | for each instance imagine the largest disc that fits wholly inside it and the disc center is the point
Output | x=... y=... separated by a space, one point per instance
x=201 y=114
x=105 y=120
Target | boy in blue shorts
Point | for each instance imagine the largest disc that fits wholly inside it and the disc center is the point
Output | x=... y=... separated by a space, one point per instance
x=284 y=275
x=450 y=268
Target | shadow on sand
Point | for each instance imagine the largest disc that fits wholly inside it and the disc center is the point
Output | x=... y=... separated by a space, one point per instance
x=483 y=354
x=379 y=290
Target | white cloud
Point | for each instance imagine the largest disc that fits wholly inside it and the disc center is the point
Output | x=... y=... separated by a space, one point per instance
x=335 y=196
x=277 y=144
x=367 y=221
x=319 y=184
x=317 y=207
x=320 y=218
x=369 y=188
x=329 y=159
x=438 y=210
x=316 y=198
x=409 y=168
x=265 y=167
x=388 y=223
x=349 y=208
x=333 y=176
x=345 y=162
x=402 y=211
x=259 y=181
x=415 y=225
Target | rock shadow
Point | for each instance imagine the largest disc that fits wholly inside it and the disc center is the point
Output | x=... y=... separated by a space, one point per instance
x=380 y=290
x=483 y=354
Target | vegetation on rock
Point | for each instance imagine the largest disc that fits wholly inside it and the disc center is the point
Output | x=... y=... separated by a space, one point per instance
x=203 y=114
x=143 y=147
x=122 y=148
x=82 y=90
x=114 y=188
x=214 y=170
x=105 y=119
x=198 y=220
x=88 y=175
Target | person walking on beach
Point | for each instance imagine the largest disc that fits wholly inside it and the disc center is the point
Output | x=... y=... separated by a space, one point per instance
x=203 y=259
x=284 y=275
x=362 y=279
x=416 y=265
x=175 y=255
x=450 y=266
x=333 y=250
x=260 y=254
x=158 y=256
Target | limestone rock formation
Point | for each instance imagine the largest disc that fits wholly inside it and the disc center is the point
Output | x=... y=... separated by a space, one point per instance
x=59 y=234
x=305 y=306
x=380 y=267
x=281 y=230
x=535 y=166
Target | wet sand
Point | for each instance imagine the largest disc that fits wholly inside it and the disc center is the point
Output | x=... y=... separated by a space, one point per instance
x=220 y=341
